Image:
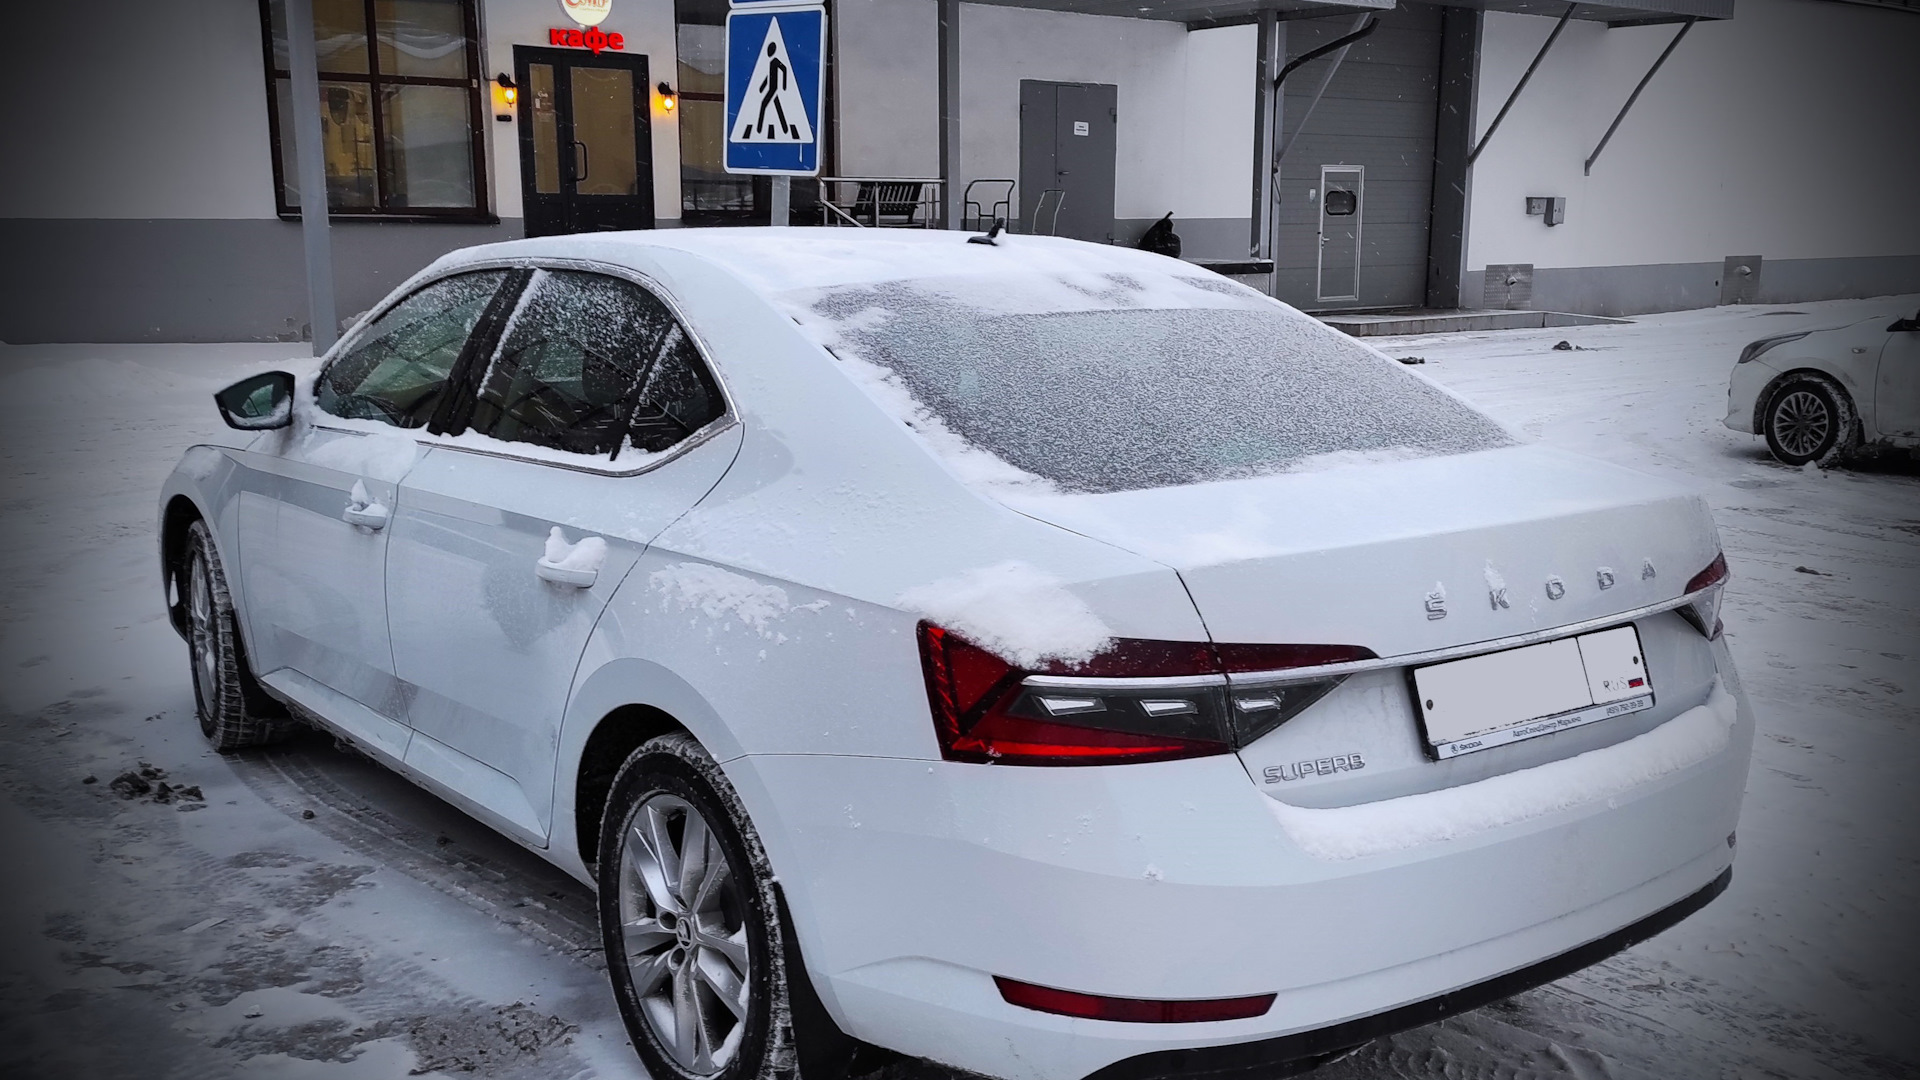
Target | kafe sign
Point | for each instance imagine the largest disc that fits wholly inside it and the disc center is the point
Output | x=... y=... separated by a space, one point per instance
x=587 y=12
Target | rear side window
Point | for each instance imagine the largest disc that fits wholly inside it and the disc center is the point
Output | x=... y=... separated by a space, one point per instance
x=397 y=372
x=590 y=364
x=1133 y=383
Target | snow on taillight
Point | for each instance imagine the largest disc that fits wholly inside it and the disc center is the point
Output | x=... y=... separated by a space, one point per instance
x=1138 y=701
x=1703 y=609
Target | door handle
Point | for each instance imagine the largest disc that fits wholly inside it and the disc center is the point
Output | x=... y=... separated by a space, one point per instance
x=580 y=161
x=563 y=575
x=372 y=516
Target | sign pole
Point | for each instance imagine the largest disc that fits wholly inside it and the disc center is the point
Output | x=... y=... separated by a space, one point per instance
x=312 y=172
x=782 y=201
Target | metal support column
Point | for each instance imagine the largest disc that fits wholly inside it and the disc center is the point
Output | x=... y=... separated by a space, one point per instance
x=1522 y=84
x=949 y=48
x=1266 y=112
x=1635 y=96
x=312 y=170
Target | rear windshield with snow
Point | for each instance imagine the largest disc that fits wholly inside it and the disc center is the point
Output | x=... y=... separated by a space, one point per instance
x=1118 y=383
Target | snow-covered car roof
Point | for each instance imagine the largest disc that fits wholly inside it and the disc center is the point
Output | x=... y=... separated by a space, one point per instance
x=775 y=261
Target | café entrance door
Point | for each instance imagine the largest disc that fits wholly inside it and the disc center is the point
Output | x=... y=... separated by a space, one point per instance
x=586 y=141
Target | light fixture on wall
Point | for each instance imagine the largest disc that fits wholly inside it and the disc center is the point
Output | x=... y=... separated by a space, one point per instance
x=668 y=99
x=506 y=93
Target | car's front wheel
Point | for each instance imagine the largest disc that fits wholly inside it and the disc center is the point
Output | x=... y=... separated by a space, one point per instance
x=1810 y=419
x=234 y=711
x=695 y=947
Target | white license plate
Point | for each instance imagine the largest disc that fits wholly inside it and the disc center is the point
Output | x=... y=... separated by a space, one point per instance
x=1506 y=697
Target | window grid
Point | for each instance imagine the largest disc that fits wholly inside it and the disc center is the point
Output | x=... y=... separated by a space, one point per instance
x=375 y=80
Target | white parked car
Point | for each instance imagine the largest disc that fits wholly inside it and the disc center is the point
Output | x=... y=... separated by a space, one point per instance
x=1049 y=659
x=1820 y=395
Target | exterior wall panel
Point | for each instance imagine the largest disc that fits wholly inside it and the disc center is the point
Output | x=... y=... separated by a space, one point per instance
x=1378 y=112
x=1785 y=131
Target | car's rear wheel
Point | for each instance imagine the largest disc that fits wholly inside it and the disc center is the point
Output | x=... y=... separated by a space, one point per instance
x=688 y=915
x=1810 y=419
x=234 y=711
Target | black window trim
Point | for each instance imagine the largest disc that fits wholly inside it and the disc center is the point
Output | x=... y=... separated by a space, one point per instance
x=481 y=350
x=480 y=213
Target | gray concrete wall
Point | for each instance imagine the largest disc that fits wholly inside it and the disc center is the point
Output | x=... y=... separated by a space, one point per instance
x=1620 y=291
x=198 y=279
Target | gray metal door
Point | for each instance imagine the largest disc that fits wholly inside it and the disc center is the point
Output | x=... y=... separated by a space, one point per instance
x=1068 y=140
x=1342 y=204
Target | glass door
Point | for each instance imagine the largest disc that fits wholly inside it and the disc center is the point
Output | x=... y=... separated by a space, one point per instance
x=586 y=141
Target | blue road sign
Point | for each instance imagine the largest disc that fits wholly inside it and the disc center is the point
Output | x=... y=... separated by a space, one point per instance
x=775 y=84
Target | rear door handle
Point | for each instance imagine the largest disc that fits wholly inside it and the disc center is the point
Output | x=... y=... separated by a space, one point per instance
x=367 y=517
x=563 y=575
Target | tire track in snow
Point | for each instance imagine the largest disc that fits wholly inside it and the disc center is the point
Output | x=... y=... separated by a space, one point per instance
x=523 y=893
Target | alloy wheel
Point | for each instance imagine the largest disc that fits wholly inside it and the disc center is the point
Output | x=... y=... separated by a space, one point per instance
x=1801 y=423
x=683 y=923
x=200 y=634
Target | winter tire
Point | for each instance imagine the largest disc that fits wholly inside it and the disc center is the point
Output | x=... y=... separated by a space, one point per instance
x=234 y=711
x=1810 y=419
x=688 y=914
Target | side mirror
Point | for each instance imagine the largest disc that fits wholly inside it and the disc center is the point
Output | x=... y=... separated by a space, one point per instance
x=1904 y=325
x=257 y=402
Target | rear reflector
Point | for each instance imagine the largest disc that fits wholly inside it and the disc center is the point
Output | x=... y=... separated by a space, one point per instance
x=1130 y=1010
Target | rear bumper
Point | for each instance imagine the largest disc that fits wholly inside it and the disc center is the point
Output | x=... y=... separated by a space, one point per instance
x=1271 y=1057
x=913 y=883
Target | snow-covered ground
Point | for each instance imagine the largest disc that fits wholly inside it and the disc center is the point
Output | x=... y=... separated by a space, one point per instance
x=311 y=917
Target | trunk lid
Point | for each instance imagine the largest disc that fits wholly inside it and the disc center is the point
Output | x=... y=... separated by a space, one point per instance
x=1413 y=556
x=1408 y=556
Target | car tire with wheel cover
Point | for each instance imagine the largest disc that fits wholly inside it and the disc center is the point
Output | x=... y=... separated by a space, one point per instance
x=234 y=711
x=696 y=950
x=1809 y=418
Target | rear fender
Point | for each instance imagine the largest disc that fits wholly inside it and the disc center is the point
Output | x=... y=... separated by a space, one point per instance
x=599 y=691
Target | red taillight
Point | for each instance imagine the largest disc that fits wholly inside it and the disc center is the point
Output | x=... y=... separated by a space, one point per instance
x=1704 y=611
x=1130 y=1010
x=1714 y=574
x=1239 y=659
x=985 y=711
x=973 y=692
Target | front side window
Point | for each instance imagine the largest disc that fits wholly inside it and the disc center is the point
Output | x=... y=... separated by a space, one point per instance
x=400 y=107
x=397 y=372
x=592 y=364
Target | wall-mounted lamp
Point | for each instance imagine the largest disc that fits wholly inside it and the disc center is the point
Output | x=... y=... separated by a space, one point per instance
x=505 y=94
x=668 y=99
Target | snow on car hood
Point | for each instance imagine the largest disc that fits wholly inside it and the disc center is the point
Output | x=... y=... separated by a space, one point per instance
x=1404 y=556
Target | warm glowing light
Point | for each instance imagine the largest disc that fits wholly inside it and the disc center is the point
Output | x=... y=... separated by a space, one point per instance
x=511 y=94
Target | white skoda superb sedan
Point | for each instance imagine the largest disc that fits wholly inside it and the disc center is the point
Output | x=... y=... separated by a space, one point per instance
x=1046 y=659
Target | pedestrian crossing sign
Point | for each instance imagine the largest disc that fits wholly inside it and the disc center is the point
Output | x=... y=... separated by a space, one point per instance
x=775 y=85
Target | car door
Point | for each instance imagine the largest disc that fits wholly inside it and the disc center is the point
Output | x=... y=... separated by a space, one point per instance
x=596 y=422
x=316 y=500
x=1896 y=385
